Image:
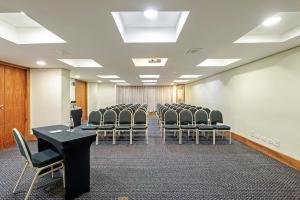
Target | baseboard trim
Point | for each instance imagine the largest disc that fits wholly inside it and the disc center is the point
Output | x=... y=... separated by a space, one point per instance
x=285 y=159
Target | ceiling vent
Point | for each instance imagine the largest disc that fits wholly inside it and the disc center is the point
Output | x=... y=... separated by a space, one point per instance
x=154 y=60
x=193 y=51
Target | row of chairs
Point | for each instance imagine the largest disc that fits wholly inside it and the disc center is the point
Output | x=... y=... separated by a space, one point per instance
x=131 y=119
x=186 y=121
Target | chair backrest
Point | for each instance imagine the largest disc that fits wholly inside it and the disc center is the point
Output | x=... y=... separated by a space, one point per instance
x=125 y=117
x=171 y=117
x=201 y=117
x=164 y=110
x=117 y=112
x=95 y=118
x=193 y=110
x=22 y=145
x=207 y=110
x=102 y=110
x=140 y=117
x=110 y=117
x=185 y=117
x=215 y=117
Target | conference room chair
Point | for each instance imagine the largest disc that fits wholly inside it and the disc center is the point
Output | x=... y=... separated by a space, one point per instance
x=207 y=110
x=202 y=125
x=102 y=110
x=42 y=163
x=125 y=123
x=140 y=123
x=162 y=119
x=95 y=118
x=108 y=125
x=186 y=122
x=216 y=117
x=193 y=110
x=171 y=124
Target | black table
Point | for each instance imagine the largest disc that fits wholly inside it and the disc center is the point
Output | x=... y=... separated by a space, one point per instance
x=75 y=149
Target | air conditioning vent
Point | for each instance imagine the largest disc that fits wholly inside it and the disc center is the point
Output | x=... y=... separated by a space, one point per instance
x=154 y=60
x=194 y=51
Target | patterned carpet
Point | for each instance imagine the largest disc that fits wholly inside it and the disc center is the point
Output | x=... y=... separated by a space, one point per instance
x=170 y=171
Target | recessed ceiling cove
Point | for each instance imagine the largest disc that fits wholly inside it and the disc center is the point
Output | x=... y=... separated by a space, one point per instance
x=136 y=27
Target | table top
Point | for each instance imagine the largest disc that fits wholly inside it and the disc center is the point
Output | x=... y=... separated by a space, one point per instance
x=64 y=136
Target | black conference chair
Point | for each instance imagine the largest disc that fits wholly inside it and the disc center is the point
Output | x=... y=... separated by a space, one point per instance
x=43 y=162
x=171 y=124
x=215 y=118
x=125 y=121
x=140 y=123
x=202 y=124
x=109 y=124
x=186 y=122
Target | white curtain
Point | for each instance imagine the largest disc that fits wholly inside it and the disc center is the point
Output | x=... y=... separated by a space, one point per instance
x=151 y=95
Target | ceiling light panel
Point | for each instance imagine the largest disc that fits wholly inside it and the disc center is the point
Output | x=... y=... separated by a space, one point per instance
x=41 y=63
x=181 y=81
x=21 y=29
x=150 y=26
x=80 y=62
x=149 y=76
x=118 y=81
x=108 y=76
x=217 y=62
x=149 y=62
x=190 y=76
x=149 y=81
x=280 y=27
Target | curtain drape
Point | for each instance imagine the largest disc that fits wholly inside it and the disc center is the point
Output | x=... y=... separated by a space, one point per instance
x=151 y=95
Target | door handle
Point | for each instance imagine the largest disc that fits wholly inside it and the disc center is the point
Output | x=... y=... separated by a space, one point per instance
x=1 y=107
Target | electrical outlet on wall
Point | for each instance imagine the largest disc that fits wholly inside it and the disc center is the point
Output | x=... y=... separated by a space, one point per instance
x=276 y=143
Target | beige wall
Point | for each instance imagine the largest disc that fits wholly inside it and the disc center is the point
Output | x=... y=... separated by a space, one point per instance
x=49 y=96
x=260 y=100
x=106 y=95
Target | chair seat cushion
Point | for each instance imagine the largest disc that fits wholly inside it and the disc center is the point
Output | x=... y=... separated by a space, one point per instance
x=44 y=158
x=171 y=127
x=89 y=127
x=123 y=127
x=190 y=126
x=221 y=127
x=139 y=127
x=204 y=127
x=106 y=127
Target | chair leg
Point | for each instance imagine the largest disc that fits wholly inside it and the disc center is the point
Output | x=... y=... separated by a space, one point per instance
x=52 y=173
x=130 y=135
x=114 y=137
x=64 y=176
x=180 y=136
x=214 y=137
x=32 y=184
x=164 y=135
x=23 y=171
x=97 y=138
x=146 y=135
x=197 y=137
x=229 y=137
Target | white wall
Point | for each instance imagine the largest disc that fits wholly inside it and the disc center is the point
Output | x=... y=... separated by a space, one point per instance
x=49 y=97
x=106 y=95
x=92 y=96
x=72 y=90
x=259 y=100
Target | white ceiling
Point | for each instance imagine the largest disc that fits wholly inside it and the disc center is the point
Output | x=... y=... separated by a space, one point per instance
x=91 y=33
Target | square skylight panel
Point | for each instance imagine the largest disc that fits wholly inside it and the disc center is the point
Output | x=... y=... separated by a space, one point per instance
x=149 y=62
x=181 y=81
x=149 y=76
x=108 y=76
x=217 y=62
x=280 y=27
x=136 y=27
x=190 y=76
x=81 y=62
x=118 y=81
x=149 y=81
x=21 y=29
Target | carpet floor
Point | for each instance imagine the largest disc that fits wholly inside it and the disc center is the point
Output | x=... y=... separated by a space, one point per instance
x=158 y=171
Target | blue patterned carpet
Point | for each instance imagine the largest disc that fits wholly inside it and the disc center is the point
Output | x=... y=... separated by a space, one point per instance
x=170 y=171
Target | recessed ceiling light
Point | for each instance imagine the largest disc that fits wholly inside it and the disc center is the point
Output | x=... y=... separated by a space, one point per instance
x=81 y=62
x=149 y=76
x=149 y=81
x=149 y=62
x=190 y=76
x=272 y=21
x=181 y=81
x=76 y=76
x=123 y=84
x=99 y=81
x=19 y=28
x=118 y=81
x=108 y=76
x=150 y=13
x=217 y=62
x=41 y=63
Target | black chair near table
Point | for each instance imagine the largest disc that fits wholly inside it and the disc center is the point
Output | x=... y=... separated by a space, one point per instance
x=43 y=163
x=124 y=125
x=94 y=121
x=171 y=124
x=202 y=124
x=140 y=123
x=186 y=122
x=216 y=120
x=109 y=125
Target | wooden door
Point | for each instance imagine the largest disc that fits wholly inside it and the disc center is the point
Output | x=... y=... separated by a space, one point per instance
x=13 y=114
x=1 y=105
x=81 y=97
